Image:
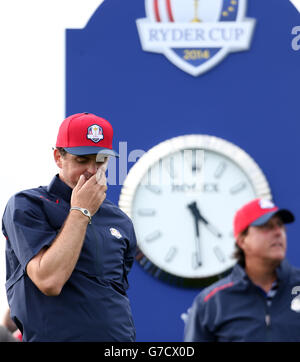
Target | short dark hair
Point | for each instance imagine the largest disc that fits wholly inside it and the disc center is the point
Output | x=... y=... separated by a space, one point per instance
x=239 y=254
x=62 y=151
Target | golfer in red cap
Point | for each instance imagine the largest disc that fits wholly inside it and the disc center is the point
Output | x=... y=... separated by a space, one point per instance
x=69 y=249
x=258 y=300
x=261 y=238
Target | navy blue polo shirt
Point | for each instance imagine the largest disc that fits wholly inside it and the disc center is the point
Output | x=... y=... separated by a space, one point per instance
x=93 y=305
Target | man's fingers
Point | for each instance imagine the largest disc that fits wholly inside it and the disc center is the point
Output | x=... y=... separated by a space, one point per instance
x=101 y=177
x=95 y=181
x=91 y=180
x=80 y=182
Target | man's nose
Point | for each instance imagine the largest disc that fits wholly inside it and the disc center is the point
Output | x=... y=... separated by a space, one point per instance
x=279 y=228
x=92 y=168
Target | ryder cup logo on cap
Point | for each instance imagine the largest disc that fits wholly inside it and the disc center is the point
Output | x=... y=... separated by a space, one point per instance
x=86 y=134
x=195 y=35
x=95 y=133
x=266 y=204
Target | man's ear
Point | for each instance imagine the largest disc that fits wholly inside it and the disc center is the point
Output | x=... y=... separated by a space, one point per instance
x=240 y=240
x=57 y=158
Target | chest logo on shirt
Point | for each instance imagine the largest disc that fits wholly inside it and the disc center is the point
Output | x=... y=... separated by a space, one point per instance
x=116 y=233
x=95 y=133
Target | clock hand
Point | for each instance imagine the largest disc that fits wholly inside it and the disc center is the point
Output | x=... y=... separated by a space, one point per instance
x=198 y=243
x=197 y=238
x=210 y=227
x=194 y=208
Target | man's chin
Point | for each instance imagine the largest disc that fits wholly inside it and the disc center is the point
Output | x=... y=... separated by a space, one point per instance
x=277 y=258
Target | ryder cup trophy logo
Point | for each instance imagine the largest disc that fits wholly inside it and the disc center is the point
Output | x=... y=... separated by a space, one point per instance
x=195 y=35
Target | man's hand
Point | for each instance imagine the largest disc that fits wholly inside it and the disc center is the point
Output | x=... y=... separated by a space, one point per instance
x=91 y=193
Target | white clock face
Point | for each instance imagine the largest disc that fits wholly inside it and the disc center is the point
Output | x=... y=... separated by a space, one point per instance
x=183 y=208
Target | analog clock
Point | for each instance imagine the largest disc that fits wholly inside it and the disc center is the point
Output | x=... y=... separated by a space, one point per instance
x=182 y=196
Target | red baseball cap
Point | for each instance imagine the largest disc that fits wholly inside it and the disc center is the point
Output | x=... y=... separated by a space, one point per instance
x=258 y=212
x=86 y=134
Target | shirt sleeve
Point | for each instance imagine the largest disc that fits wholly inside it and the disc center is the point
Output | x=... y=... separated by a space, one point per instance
x=195 y=325
x=130 y=255
x=26 y=227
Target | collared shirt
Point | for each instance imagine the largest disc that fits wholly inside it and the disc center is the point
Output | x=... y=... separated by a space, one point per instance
x=236 y=310
x=93 y=305
x=271 y=293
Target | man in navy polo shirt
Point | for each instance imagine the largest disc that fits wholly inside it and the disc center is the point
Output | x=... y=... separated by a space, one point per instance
x=69 y=249
x=258 y=301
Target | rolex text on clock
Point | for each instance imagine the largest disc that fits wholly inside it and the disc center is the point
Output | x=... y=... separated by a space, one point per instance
x=182 y=196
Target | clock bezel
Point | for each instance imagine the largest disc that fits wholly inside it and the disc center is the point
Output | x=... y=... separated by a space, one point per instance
x=168 y=147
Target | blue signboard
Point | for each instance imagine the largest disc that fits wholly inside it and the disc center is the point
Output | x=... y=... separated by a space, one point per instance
x=158 y=69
